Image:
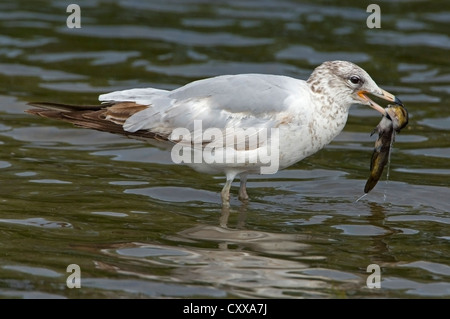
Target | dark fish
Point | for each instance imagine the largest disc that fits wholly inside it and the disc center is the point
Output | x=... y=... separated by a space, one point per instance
x=398 y=119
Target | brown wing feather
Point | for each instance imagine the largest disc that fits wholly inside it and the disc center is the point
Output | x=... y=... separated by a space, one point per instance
x=120 y=112
x=108 y=117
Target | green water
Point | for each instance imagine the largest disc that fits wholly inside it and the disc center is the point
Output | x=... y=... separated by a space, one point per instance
x=140 y=226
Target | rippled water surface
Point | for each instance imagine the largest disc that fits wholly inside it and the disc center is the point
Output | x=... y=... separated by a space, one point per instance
x=140 y=226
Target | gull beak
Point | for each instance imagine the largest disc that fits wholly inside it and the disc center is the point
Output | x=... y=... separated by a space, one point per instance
x=381 y=94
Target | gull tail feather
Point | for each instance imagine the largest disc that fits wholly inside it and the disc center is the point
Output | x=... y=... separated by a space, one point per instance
x=106 y=117
x=67 y=107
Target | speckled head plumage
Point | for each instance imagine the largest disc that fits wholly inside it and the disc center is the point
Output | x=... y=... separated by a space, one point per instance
x=347 y=84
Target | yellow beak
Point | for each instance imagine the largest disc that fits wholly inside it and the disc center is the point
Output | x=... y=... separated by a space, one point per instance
x=382 y=94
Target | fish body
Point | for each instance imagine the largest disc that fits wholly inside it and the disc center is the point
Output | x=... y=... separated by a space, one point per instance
x=396 y=119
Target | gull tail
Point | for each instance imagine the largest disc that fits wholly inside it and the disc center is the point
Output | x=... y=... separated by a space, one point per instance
x=106 y=117
x=87 y=116
x=64 y=107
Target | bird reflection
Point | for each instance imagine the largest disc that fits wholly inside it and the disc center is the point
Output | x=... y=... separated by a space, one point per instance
x=242 y=215
x=380 y=250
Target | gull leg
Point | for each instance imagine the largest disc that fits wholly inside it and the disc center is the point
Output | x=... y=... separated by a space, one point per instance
x=226 y=193
x=243 y=196
x=226 y=189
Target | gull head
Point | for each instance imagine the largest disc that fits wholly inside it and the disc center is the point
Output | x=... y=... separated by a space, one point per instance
x=347 y=84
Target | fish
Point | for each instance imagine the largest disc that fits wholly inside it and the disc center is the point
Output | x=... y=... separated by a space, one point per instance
x=394 y=120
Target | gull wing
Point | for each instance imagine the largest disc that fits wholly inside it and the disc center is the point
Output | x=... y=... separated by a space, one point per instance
x=238 y=101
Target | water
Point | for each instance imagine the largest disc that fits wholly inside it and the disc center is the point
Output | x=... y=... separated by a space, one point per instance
x=139 y=226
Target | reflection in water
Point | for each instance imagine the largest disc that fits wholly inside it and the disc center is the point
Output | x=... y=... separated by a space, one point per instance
x=242 y=263
x=245 y=263
x=225 y=215
x=380 y=252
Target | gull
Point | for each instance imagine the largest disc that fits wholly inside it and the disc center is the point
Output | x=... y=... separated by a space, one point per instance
x=256 y=122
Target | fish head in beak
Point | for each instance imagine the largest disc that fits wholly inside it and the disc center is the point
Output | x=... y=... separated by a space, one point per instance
x=363 y=96
x=398 y=115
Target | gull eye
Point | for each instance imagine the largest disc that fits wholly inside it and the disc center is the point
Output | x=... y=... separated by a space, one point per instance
x=355 y=79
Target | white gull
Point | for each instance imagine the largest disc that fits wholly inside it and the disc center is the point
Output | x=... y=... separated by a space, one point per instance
x=307 y=115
